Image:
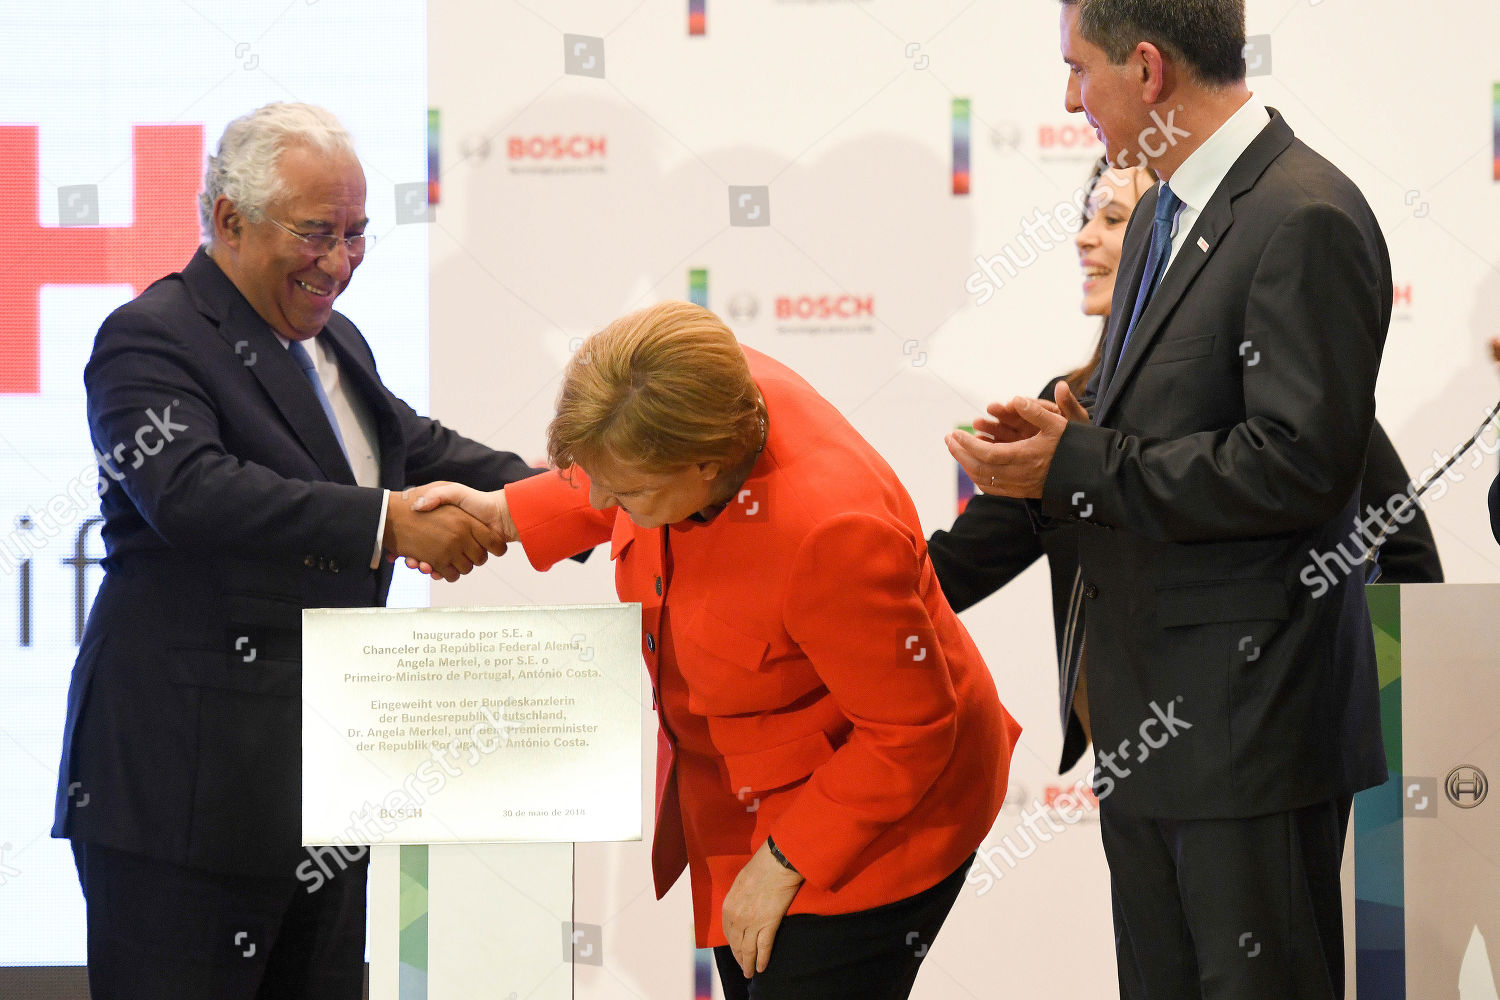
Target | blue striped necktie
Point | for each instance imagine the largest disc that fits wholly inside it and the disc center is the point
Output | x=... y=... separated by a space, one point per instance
x=305 y=362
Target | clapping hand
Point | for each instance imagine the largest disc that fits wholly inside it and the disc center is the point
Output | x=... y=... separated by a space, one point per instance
x=1011 y=450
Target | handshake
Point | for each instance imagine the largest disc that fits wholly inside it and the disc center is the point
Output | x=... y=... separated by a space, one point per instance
x=446 y=529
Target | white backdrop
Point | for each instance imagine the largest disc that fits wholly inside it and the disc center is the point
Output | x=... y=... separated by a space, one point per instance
x=843 y=110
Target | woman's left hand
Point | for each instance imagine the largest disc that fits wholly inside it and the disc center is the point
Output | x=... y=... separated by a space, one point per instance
x=759 y=898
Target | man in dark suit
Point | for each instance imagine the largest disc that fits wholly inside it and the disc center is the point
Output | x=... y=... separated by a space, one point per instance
x=250 y=451
x=1216 y=455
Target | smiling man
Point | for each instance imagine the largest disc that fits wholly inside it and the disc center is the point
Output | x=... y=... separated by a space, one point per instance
x=1215 y=452
x=284 y=280
x=180 y=782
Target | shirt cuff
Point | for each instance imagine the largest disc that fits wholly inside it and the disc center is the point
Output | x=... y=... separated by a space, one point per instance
x=385 y=500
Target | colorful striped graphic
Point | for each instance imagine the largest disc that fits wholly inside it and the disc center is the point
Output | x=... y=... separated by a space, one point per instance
x=412 y=952
x=966 y=490
x=697 y=17
x=1497 y=132
x=703 y=974
x=962 y=127
x=698 y=286
x=1379 y=859
x=434 y=126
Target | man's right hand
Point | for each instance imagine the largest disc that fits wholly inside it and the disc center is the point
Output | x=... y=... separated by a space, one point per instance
x=448 y=541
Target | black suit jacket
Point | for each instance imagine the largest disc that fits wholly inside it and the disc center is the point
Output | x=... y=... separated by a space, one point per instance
x=183 y=734
x=996 y=538
x=1495 y=508
x=1224 y=455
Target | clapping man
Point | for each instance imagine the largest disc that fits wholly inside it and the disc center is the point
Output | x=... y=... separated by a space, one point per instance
x=1216 y=451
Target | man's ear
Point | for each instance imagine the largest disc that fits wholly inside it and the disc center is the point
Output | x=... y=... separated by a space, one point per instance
x=229 y=223
x=1153 y=67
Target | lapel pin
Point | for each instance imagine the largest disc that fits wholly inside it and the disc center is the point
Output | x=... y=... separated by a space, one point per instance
x=1203 y=244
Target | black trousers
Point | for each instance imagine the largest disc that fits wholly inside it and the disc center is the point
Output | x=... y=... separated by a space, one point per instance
x=868 y=955
x=1228 y=909
x=158 y=931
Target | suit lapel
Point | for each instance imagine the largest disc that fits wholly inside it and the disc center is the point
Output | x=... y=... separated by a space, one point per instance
x=1202 y=243
x=1137 y=247
x=254 y=342
x=1215 y=219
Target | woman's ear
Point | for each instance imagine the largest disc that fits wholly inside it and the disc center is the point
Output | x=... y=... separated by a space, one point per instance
x=709 y=470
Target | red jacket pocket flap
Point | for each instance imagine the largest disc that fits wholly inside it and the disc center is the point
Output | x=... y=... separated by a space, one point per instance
x=778 y=766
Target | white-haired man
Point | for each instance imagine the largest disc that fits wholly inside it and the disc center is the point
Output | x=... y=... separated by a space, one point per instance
x=271 y=492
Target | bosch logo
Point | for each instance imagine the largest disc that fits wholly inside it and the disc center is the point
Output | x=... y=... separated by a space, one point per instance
x=1466 y=786
x=742 y=307
x=555 y=147
x=824 y=306
x=1070 y=795
x=1066 y=137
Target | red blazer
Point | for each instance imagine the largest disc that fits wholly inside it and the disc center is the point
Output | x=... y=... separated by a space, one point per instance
x=811 y=681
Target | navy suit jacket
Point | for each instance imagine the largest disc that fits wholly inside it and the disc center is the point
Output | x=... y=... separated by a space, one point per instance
x=183 y=733
x=1223 y=459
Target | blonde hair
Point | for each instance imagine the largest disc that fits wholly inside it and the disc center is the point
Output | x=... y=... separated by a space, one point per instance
x=658 y=390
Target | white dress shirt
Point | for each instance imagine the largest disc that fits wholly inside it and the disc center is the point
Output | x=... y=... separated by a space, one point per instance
x=1201 y=173
x=356 y=426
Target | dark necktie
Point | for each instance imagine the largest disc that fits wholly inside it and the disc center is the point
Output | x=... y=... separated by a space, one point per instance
x=1167 y=207
x=305 y=362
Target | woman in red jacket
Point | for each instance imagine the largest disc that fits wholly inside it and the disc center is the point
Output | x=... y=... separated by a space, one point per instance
x=831 y=749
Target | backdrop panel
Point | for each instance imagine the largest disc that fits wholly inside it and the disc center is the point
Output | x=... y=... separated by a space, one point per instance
x=106 y=112
x=907 y=168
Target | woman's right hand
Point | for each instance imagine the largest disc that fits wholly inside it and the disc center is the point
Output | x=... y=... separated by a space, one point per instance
x=490 y=509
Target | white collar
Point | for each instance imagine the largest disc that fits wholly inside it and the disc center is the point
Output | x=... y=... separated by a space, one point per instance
x=1201 y=173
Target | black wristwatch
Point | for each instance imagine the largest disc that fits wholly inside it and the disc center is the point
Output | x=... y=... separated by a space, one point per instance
x=776 y=853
